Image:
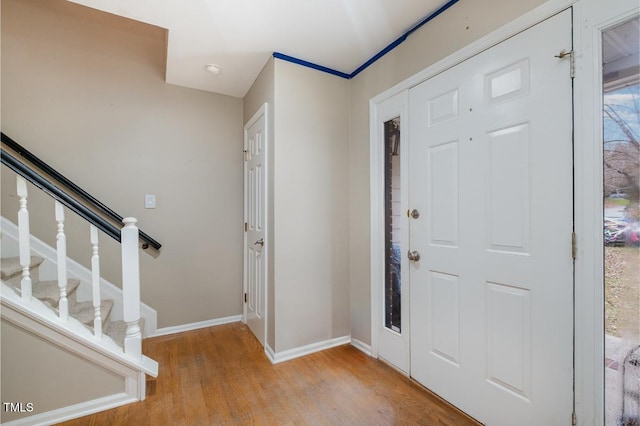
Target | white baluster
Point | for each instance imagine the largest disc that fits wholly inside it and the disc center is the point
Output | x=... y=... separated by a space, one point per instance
x=131 y=288
x=61 y=247
x=23 y=239
x=95 y=283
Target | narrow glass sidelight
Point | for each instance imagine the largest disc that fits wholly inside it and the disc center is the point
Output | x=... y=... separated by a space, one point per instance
x=393 y=226
x=621 y=190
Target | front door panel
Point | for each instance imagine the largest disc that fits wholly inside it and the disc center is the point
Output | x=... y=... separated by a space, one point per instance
x=490 y=145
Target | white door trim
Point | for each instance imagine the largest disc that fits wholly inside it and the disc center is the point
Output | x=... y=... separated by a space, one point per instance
x=591 y=17
x=589 y=345
x=262 y=111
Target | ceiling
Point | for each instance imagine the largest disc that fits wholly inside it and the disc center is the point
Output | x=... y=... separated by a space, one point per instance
x=240 y=35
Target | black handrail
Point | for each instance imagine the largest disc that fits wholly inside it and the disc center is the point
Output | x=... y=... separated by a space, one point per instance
x=58 y=194
x=33 y=159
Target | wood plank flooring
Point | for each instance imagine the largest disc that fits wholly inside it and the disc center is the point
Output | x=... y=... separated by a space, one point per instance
x=220 y=376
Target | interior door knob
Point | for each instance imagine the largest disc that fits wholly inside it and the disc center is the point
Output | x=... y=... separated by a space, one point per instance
x=260 y=242
x=413 y=255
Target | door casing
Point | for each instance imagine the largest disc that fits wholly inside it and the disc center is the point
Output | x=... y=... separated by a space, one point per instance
x=591 y=17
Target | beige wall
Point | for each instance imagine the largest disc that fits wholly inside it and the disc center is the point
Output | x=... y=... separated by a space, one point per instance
x=463 y=23
x=308 y=236
x=36 y=371
x=260 y=92
x=87 y=83
x=85 y=91
x=311 y=206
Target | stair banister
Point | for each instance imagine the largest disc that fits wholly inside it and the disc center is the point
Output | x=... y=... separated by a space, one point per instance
x=39 y=297
x=39 y=181
x=61 y=249
x=24 y=236
x=73 y=188
x=131 y=288
x=128 y=236
x=95 y=283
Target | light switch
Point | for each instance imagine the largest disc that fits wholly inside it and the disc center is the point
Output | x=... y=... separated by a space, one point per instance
x=149 y=201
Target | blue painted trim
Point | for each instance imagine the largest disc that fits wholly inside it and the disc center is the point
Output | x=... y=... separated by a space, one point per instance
x=288 y=58
x=402 y=38
x=379 y=55
x=373 y=59
x=432 y=16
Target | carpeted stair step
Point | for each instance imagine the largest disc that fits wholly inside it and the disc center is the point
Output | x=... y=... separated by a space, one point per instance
x=84 y=312
x=48 y=291
x=118 y=329
x=11 y=270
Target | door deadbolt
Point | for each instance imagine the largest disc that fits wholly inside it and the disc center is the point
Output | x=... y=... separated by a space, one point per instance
x=415 y=214
x=413 y=255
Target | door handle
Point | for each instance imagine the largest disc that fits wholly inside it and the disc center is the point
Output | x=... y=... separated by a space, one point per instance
x=413 y=255
x=260 y=242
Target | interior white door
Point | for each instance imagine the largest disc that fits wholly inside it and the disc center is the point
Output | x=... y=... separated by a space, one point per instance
x=490 y=146
x=255 y=223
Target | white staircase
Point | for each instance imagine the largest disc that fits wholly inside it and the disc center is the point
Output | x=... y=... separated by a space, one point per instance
x=48 y=293
x=53 y=297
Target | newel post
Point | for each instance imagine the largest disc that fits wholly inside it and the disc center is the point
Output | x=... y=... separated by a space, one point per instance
x=131 y=288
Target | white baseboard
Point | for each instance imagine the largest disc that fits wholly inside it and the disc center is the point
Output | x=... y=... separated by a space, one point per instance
x=270 y=353
x=74 y=411
x=289 y=354
x=361 y=346
x=195 y=326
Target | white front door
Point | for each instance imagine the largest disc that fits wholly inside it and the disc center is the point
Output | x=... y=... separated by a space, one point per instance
x=491 y=307
x=255 y=262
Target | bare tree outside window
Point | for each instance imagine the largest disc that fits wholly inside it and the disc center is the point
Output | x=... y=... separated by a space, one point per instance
x=621 y=145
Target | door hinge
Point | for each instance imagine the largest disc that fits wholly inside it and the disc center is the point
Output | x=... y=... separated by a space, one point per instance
x=572 y=61
x=246 y=155
x=572 y=65
x=245 y=226
x=245 y=298
x=574 y=246
x=574 y=420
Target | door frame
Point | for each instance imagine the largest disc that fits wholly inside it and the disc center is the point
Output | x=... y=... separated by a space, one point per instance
x=591 y=18
x=588 y=293
x=262 y=111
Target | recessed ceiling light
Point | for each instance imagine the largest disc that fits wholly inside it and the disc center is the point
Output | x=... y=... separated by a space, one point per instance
x=213 y=69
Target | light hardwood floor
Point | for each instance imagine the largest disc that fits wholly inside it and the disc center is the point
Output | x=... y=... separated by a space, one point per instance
x=220 y=376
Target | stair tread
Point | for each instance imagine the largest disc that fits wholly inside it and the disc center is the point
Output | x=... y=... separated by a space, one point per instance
x=10 y=266
x=84 y=312
x=49 y=291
